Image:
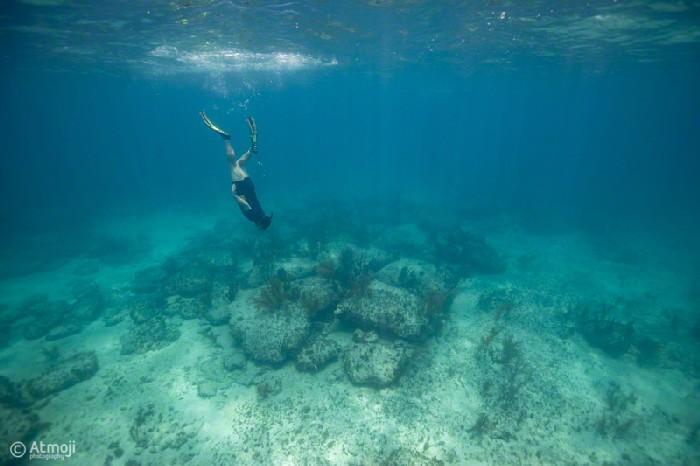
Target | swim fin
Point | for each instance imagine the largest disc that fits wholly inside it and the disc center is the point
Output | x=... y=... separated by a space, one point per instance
x=213 y=127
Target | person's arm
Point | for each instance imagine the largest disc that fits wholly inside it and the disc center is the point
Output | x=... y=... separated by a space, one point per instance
x=244 y=158
x=241 y=200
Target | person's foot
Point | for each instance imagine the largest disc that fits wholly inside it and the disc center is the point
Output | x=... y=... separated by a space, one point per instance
x=213 y=127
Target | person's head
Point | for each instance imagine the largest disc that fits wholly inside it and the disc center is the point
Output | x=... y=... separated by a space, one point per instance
x=265 y=222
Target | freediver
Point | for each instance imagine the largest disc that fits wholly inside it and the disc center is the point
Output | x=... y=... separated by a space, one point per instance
x=242 y=186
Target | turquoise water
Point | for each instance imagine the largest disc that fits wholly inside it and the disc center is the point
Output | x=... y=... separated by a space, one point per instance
x=483 y=248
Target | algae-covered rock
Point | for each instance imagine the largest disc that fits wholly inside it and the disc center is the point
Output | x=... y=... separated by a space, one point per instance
x=40 y=315
x=270 y=336
x=295 y=268
x=371 y=259
x=222 y=295
x=151 y=335
x=386 y=308
x=187 y=307
x=315 y=294
x=415 y=275
x=144 y=309
x=64 y=374
x=468 y=252
x=319 y=353
x=88 y=302
x=149 y=280
x=377 y=364
x=189 y=280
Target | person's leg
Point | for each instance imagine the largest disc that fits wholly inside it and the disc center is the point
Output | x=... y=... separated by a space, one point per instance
x=230 y=153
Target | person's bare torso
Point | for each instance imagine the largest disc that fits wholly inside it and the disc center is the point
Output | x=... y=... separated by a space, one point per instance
x=237 y=173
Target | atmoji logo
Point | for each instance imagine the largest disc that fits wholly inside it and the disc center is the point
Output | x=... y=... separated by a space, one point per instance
x=43 y=451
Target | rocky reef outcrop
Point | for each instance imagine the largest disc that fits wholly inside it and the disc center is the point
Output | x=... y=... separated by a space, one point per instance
x=316 y=355
x=64 y=374
x=268 y=335
x=386 y=308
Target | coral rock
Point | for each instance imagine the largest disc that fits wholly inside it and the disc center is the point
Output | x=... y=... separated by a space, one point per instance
x=65 y=374
x=318 y=354
x=386 y=308
x=270 y=336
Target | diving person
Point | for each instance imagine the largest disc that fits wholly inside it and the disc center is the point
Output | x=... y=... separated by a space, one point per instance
x=242 y=186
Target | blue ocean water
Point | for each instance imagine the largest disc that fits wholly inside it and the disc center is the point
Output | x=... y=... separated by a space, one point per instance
x=538 y=162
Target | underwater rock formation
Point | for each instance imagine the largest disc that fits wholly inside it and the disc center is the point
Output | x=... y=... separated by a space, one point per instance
x=315 y=356
x=193 y=307
x=376 y=364
x=149 y=280
x=40 y=315
x=386 y=308
x=217 y=312
x=600 y=330
x=268 y=336
x=315 y=294
x=143 y=309
x=189 y=279
x=88 y=302
x=467 y=252
x=415 y=275
x=150 y=335
x=64 y=374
